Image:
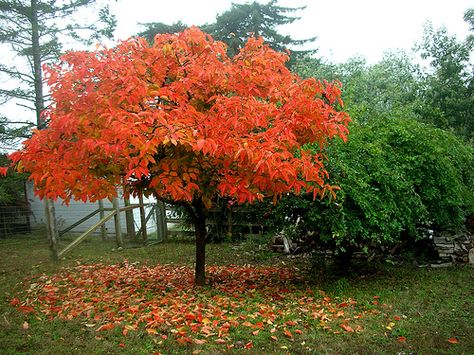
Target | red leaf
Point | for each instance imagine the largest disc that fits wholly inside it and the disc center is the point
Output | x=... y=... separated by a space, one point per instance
x=190 y=316
x=402 y=339
x=288 y=333
x=15 y=302
x=453 y=340
x=249 y=345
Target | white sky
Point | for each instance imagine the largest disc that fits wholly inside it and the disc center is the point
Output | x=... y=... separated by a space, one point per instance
x=344 y=28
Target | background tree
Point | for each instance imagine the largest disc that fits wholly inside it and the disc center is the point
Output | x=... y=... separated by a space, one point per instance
x=389 y=88
x=235 y=26
x=242 y=21
x=184 y=122
x=154 y=28
x=447 y=94
x=34 y=30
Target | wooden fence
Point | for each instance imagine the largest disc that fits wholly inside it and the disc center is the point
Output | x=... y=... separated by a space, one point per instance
x=168 y=222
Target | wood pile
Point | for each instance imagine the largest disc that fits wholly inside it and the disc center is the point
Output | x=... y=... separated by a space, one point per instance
x=454 y=248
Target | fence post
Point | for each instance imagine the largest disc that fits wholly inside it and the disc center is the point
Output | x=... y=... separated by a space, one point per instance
x=118 y=228
x=101 y=216
x=129 y=220
x=161 y=225
x=51 y=227
x=143 y=218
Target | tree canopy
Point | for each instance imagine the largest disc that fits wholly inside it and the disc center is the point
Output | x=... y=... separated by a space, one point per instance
x=184 y=122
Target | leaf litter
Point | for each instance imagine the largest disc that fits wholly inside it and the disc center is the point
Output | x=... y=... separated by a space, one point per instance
x=163 y=302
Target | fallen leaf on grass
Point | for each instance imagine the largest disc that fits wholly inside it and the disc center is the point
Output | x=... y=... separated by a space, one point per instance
x=25 y=325
x=107 y=326
x=453 y=340
x=346 y=328
x=288 y=333
x=161 y=299
x=402 y=339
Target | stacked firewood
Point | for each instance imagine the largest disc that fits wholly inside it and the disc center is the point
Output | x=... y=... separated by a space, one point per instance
x=454 y=248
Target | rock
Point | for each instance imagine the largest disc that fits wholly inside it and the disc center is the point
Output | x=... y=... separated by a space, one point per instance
x=442 y=265
x=471 y=256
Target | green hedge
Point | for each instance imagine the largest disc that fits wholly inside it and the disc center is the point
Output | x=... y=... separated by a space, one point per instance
x=398 y=177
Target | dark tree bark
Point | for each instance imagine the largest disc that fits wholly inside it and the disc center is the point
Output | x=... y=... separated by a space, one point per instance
x=198 y=213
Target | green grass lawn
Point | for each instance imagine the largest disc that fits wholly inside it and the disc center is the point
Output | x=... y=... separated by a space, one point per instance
x=258 y=303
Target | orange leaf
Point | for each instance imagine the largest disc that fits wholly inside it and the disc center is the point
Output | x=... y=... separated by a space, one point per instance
x=402 y=339
x=255 y=332
x=220 y=341
x=249 y=345
x=346 y=327
x=288 y=333
x=453 y=340
x=107 y=326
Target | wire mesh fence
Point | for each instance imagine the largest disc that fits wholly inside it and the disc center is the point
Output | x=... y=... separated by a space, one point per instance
x=14 y=219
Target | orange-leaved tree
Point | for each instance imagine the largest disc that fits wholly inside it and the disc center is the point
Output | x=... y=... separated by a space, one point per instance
x=184 y=122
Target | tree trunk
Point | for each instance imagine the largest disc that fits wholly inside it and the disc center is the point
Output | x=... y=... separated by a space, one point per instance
x=198 y=215
x=40 y=122
x=38 y=74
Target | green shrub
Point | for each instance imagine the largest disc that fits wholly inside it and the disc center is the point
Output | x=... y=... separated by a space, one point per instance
x=398 y=177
